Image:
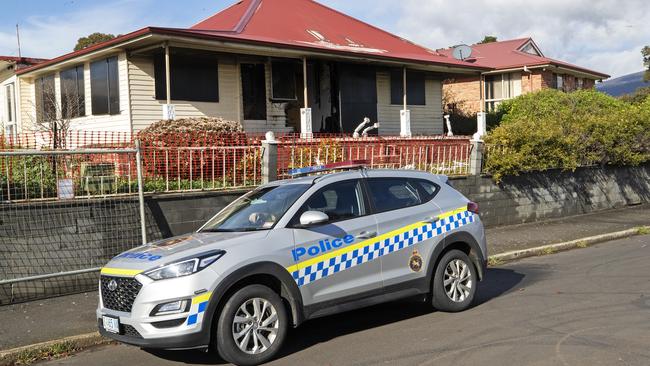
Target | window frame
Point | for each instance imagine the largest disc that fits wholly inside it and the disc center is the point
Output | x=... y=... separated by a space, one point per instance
x=294 y=222
x=206 y=60
x=398 y=87
x=508 y=81
x=108 y=80
x=10 y=91
x=39 y=89
x=288 y=63
x=80 y=85
x=409 y=180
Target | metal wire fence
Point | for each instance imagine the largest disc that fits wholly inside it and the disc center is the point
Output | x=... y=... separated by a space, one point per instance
x=63 y=214
x=435 y=155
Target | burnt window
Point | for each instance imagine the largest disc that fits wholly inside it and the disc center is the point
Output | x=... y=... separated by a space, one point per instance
x=45 y=99
x=254 y=91
x=73 y=102
x=284 y=80
x=415 y=87
x=104 y=87
x=194 y=76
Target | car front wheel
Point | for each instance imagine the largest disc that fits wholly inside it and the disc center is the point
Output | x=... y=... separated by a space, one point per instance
x=454 y=284
x=252 y=326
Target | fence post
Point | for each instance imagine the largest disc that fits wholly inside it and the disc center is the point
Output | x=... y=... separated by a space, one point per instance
x=269 y=158
x=138 y=163
x=476 y=158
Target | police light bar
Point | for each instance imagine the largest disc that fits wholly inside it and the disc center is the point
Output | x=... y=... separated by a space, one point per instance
x=350 y=164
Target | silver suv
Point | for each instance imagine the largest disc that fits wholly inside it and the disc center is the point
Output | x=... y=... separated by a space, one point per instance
x=295 y=250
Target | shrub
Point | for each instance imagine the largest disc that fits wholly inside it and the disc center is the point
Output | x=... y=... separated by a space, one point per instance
x=637 y=97
x=194 y=125
x=552 y=129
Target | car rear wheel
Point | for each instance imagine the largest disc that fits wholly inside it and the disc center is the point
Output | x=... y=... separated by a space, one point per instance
x=454 y=283
x=252 y=326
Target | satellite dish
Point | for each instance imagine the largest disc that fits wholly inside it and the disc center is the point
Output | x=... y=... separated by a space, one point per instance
x=462 y=52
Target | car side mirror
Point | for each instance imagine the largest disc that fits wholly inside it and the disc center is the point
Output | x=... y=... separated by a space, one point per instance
x=311 y=218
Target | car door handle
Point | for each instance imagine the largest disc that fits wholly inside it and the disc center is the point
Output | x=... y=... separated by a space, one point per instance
x=431 y=219
x=366 y=235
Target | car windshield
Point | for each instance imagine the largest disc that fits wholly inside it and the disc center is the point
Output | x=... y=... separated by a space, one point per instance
x=256 y=210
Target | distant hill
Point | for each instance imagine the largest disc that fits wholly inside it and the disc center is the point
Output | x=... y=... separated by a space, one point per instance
x=623 y=85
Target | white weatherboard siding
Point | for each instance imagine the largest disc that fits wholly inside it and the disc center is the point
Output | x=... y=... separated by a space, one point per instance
x=27 y=104
x=146 y=110
x=425 y=119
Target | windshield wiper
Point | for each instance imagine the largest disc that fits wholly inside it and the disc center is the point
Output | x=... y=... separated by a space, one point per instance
x=238 y=230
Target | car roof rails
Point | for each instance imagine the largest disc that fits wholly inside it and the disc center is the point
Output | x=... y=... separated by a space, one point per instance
x=343 y=165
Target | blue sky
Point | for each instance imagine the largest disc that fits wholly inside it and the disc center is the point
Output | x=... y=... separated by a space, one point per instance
x=606 y=35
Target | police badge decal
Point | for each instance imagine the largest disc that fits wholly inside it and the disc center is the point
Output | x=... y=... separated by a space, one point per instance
x=415 y=262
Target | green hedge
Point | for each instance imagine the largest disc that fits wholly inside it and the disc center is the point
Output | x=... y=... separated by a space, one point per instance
x=551 y=129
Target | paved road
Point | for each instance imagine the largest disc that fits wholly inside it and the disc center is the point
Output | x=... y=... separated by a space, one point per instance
x=584 y=307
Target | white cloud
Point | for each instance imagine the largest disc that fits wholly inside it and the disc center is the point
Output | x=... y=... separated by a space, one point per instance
x=606 y=35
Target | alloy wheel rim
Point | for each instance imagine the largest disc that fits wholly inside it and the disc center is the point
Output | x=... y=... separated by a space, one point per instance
x=255 y=326
x=457 y=280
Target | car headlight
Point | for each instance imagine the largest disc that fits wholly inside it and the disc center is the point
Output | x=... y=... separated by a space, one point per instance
x=185 y=267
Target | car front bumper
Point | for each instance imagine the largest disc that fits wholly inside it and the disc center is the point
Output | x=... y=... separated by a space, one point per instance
x=141 y=327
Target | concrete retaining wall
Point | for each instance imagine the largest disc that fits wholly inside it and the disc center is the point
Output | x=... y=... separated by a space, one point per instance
x=554 y=194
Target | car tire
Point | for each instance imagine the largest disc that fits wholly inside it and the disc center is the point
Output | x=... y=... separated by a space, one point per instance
x=454 y=282
x=251 y=326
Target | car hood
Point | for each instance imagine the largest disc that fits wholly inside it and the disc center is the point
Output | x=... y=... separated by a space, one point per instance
x=166 y=251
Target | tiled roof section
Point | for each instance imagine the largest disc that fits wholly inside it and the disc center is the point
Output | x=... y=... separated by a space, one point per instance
x=506 y=55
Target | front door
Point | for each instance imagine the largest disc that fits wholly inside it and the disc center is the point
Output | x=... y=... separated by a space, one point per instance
x=253 y=91
x=334 y=260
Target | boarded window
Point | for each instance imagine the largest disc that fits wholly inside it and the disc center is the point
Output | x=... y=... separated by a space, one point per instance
x=45 y=99
x=194 y=76
x=104 y=87
x=284 y=80
x=73 y=102
x=415 y=87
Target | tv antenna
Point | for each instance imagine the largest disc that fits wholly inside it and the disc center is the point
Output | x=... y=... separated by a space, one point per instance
x=462 y=52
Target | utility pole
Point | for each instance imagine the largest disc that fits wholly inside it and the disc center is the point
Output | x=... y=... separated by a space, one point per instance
x=18 y=38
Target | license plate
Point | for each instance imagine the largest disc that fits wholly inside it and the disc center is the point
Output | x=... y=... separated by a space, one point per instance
x=111 y=324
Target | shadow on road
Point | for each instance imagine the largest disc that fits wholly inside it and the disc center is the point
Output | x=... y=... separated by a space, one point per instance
x=497 y=282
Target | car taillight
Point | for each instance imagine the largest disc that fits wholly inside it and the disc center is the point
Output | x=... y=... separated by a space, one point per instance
x=472 y=207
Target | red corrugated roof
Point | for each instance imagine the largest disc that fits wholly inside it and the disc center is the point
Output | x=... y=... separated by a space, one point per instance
x=296 y=24
x=507 y=55
x=306 y=23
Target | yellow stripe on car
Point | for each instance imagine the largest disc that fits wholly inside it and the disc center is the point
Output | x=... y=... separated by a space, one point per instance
x=201 y=298
x=120 y=272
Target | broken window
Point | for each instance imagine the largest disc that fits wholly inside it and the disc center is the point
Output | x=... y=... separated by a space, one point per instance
x=254 y=91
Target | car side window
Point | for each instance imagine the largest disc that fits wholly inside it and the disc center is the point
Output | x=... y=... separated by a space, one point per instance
x=393 y=193
x=340 y=201
x=427 y=189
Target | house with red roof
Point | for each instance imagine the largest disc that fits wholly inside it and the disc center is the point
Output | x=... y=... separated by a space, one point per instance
x=9 y=89
x=273 y=65
x=516 y=66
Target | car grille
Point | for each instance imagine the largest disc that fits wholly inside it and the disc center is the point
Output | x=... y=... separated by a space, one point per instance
x=129 y=331
x=122 y=298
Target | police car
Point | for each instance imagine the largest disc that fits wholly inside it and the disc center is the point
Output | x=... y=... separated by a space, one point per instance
x=295 y=250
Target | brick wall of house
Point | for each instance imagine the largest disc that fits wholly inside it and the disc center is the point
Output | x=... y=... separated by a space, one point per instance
x=464 y=93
